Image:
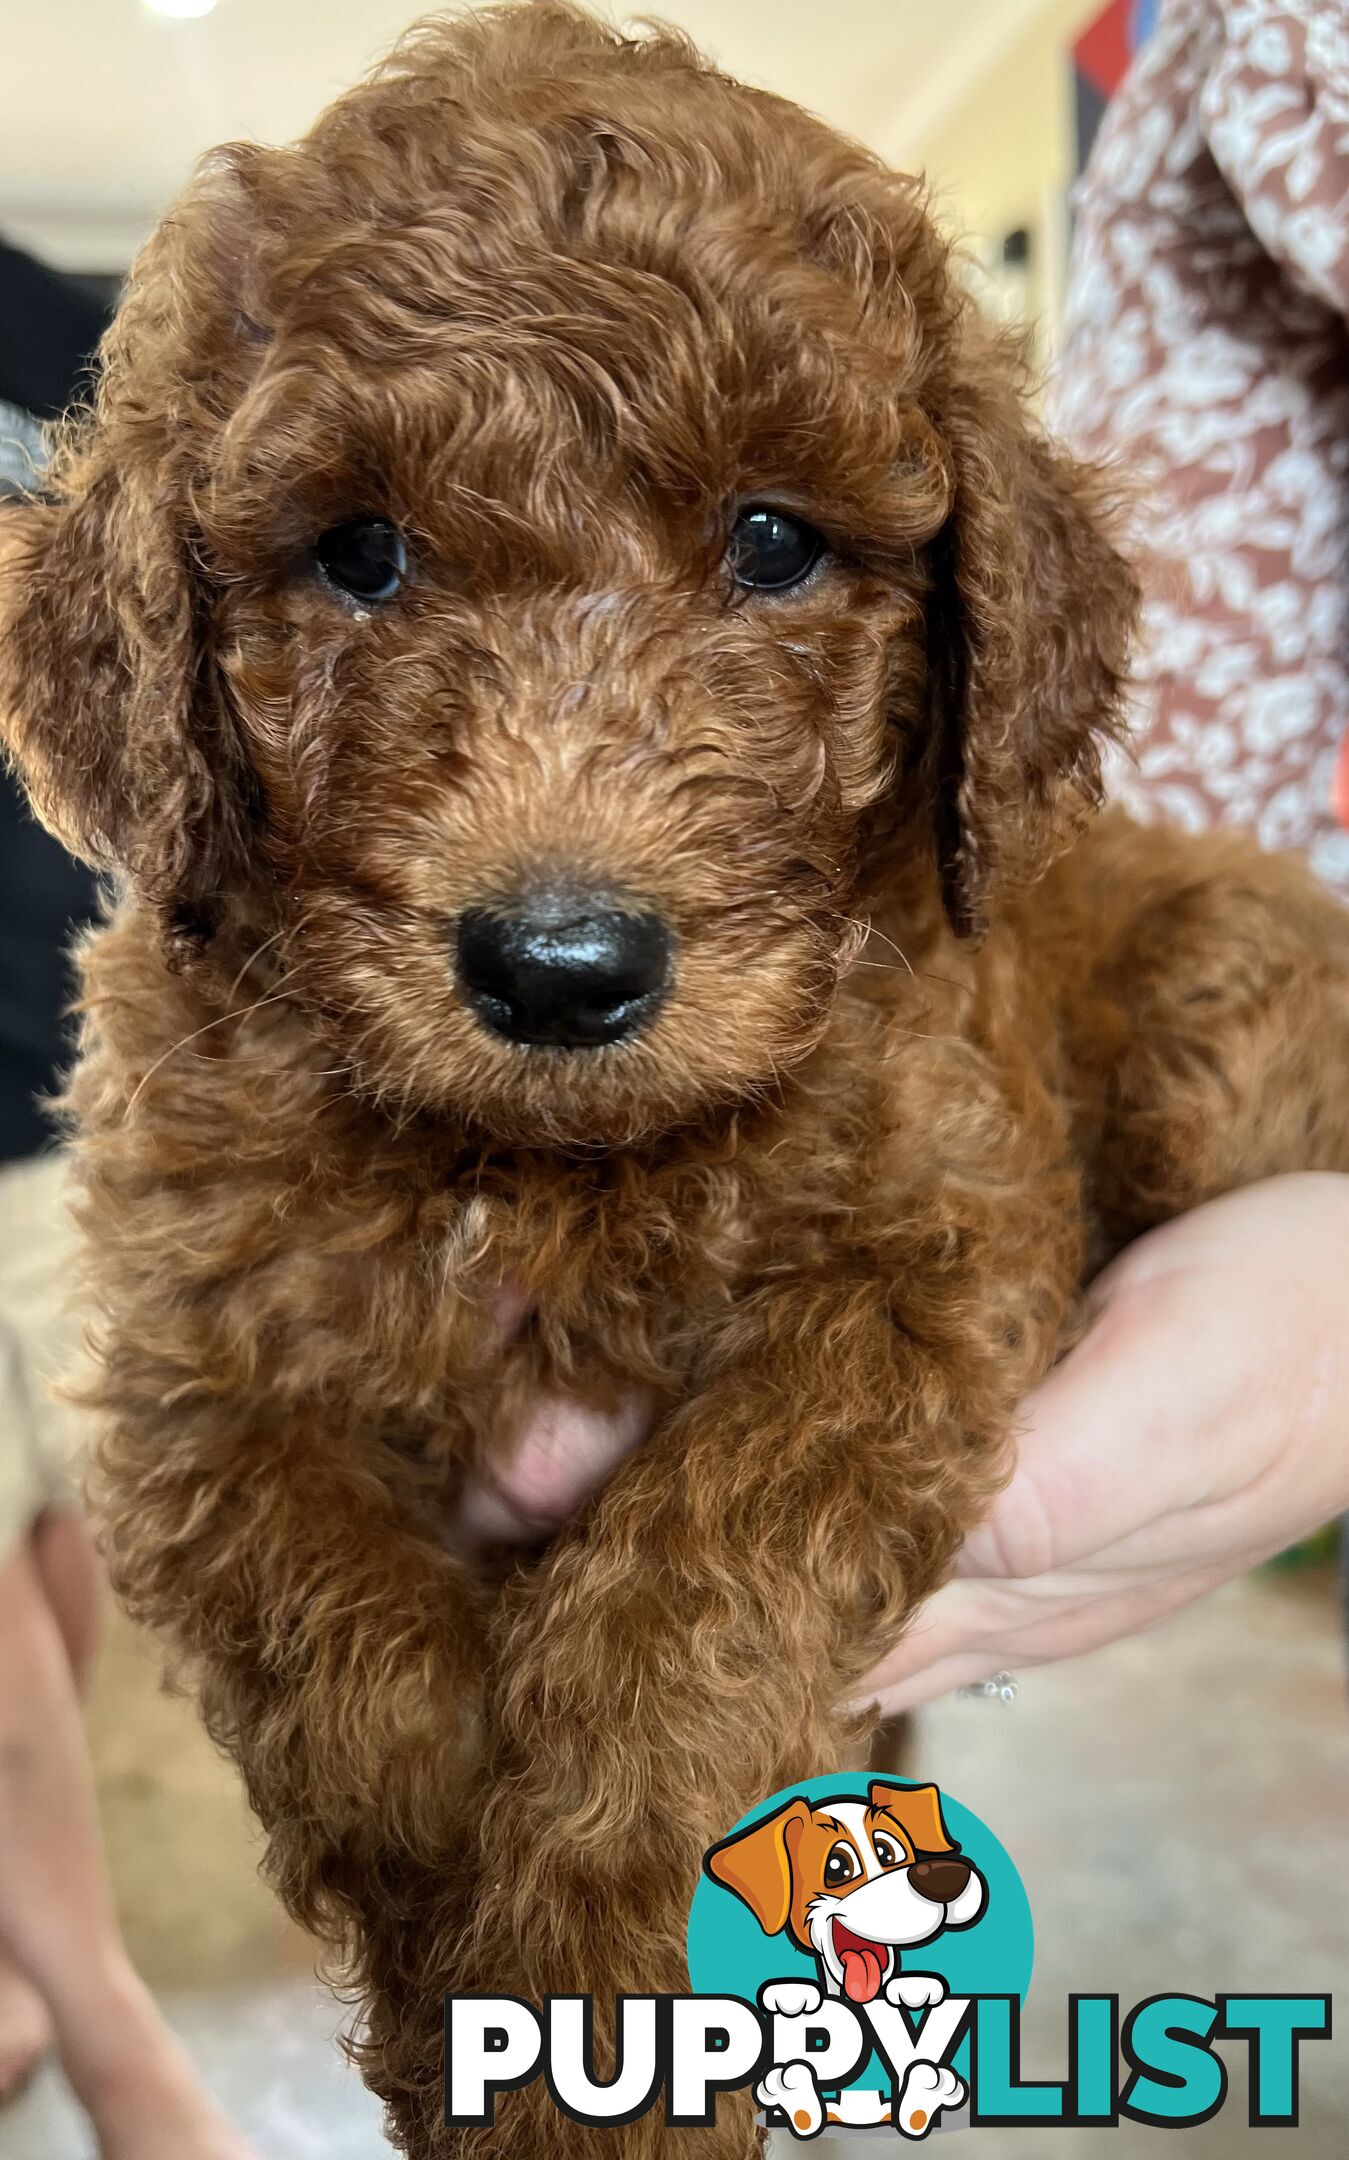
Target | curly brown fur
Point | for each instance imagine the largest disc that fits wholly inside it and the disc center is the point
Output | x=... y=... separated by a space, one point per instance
x=555 y=301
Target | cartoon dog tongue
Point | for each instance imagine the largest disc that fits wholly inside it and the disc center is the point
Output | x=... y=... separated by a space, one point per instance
x=863 y=1964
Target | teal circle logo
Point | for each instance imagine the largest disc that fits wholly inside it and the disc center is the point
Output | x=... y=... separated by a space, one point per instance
x=850 y=1882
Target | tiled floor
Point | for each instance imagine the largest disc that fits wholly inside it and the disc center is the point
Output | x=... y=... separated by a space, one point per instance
x=1178 y=1807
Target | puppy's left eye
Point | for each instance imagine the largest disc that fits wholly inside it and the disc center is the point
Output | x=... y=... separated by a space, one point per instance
x=885 y=1852
x=770 y=550
x=366 y=557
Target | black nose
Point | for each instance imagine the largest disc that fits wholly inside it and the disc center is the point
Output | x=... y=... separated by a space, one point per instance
x=562 y=970
x=940 y=1880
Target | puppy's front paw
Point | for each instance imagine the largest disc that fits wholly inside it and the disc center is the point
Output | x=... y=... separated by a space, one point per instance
x=793 y=2089
x=927 y=2090
x=790 y=1998
x=915 y=1991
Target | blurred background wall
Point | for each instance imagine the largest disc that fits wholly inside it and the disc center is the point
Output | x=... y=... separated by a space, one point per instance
x=1002 y=160
x=110 y=102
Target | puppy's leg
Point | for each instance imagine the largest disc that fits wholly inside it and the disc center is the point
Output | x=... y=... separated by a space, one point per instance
x=1213 y=1045
x=684 y=1653
x=335 y=1646
x=892 y=1746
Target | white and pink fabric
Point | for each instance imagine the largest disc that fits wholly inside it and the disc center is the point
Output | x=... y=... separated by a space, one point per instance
x=1206 y=352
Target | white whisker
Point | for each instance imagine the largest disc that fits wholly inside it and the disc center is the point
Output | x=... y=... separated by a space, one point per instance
x=277 y=998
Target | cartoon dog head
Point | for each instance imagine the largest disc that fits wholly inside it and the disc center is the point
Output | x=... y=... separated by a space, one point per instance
x=853 y=1881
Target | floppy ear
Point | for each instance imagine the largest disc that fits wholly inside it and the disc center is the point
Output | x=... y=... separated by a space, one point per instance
x=1029 y=629
x=107 y=703
x=756 y=1865
x=917 y=1810
x=102 y=697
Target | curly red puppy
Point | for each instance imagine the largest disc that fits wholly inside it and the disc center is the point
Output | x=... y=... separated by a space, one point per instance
x=587 y=671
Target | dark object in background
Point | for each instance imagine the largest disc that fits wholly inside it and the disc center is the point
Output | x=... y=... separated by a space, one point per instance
x=45 y=897
x=49 y=328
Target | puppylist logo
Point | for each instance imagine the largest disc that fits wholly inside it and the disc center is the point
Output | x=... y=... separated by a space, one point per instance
x=859 y=1952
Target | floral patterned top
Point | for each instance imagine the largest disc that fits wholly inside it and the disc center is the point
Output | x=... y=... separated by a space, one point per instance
x=1206 y=350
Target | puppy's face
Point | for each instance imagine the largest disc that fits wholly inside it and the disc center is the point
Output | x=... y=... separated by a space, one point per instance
x=568 y=655
x=854 y=1881
x=537 y=561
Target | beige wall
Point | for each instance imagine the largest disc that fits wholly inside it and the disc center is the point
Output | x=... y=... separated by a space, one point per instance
x=1005 y=157
x=83 y=175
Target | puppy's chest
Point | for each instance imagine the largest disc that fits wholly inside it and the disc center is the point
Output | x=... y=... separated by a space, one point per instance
x=628 y=1280
x=647 y=1269
x=631 y=1272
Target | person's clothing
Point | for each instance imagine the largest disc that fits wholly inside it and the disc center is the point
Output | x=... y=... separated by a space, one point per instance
x=45 y=896
x=21 y=451
x=48 y=327
x=1206 y=353
x=41 y=1437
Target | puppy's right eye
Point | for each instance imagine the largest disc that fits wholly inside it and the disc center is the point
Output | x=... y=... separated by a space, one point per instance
x=770 y=550
x=366 y=557
x=841 y=1865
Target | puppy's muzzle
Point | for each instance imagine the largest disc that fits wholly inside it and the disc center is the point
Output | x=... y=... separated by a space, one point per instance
x=941 y=1880
x=572 y=970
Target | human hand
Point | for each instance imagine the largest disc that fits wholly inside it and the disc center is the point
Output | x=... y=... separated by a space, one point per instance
x=1200 y=1426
